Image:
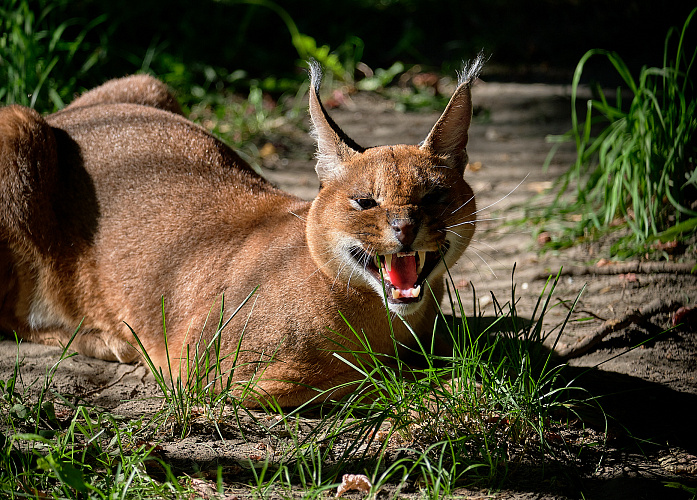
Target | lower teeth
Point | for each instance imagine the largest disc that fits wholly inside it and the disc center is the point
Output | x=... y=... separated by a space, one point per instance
x=411 y=293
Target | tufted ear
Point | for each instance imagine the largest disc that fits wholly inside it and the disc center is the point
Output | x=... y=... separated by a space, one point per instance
x=448 y=137
x=334 y=147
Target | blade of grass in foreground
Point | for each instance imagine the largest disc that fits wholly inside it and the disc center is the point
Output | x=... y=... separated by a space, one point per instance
x=194 y=387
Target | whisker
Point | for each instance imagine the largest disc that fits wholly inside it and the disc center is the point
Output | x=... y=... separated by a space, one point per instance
x=503 y=198
x=489 y=255
x=476 y=267
x=284 y=247
x=299 y=217
x=448 y=206
x=354 y=265
x=485 y=262
x=474 y=221
x=323 y=265
x=465 y=203
x=364 y=261
x=485 y=243
x=504 y=232
x=339 y=271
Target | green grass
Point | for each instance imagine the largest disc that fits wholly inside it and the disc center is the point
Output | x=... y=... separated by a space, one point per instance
x=461 y=419
x=65 y=453
x=636 y=154
x=499 y=389
x=43 y=54
x=198 y=383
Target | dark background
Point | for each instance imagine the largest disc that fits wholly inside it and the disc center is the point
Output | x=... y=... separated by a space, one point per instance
x=533 y=40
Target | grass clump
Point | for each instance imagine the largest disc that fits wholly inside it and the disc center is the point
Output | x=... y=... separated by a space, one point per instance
x=51 y=447
x=465 y=418
x=636 y=160
x=193 y=384
x=459 y=419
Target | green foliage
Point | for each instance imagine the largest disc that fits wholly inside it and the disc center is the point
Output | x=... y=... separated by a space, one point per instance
x=81 y=452
x=381 y=78
x=42 y=54
x=636 y=161
x=305 y=45
x=246 y=124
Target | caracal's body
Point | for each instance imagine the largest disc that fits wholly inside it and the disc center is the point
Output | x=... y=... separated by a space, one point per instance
x=118 y=207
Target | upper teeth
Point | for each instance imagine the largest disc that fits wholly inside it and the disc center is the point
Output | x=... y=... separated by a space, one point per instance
x=387 y=260
x=422 y=261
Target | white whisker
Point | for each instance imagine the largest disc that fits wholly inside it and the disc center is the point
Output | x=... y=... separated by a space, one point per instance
x=355 y=266
x=284 y=247
x=490 y=256
x=320 y=267
x=503 y=198
x=485 y=243
x=465 y=203
x=485 y=262
x=473 y=222
x=339 y=271
x=299 y=217
x=476 y=267
x=448 y=206
x=456 y=234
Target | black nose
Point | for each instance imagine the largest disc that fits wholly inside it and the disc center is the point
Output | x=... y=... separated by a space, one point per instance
x=405 y=230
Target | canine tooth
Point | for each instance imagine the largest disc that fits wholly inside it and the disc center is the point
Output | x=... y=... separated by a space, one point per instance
x=395 y=293
x=388 y=261
x=416 y=291
x=422 y=261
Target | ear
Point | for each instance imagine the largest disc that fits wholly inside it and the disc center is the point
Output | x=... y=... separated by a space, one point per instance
x=450 y=134
x=334 y=147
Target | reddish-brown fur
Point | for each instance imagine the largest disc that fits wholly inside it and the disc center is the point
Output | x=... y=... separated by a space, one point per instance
x=118 y=204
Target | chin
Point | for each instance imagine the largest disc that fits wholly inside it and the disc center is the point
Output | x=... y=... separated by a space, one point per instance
x=406 y=310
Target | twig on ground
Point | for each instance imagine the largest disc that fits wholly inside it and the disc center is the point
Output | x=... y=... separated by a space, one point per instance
x=584 y=311
x=107 y=386
x=587 y=342
x=624 y=268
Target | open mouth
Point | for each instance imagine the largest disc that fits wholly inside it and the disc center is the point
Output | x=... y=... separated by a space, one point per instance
x=404 y=273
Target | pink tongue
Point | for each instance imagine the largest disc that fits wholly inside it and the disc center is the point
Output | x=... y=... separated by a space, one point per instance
x=403 y=272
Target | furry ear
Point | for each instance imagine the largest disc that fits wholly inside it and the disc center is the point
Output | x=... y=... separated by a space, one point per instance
x=333 y=146
x=448 y=137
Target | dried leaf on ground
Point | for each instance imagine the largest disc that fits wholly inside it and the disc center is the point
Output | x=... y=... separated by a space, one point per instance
x=350 y=482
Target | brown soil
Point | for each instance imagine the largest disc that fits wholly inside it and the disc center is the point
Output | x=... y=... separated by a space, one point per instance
x=649 y=393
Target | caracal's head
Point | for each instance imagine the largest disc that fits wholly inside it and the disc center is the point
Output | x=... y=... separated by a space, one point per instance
x=390 y=218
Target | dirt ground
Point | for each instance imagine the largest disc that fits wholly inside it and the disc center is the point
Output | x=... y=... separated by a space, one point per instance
x=649 y=392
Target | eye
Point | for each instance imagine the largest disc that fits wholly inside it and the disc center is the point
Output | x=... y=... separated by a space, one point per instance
x=364 y=203
x=433 y=197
